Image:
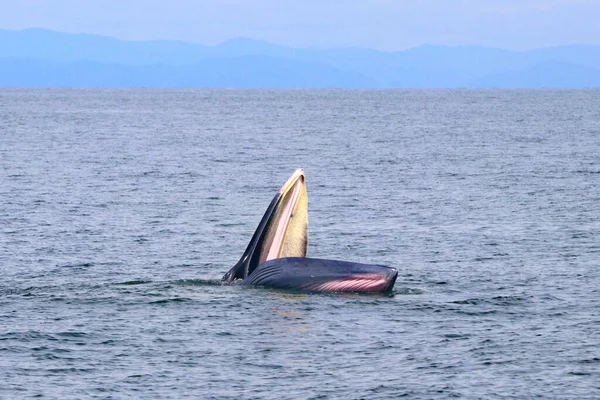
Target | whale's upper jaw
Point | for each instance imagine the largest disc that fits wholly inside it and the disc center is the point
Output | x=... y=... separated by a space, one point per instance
x=287 y=235
x=282 y=231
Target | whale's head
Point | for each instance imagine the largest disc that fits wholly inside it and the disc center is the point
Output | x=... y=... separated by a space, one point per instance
x=282 y=231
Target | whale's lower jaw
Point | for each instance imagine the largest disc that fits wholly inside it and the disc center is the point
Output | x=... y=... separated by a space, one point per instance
x=321 y=275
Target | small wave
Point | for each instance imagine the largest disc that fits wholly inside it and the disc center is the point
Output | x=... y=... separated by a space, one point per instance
x=468 y=301
x=139 y=376
x=497 y=300
x=198 y=282
x=78 y=265
x=457 y=335
x=27 y=336
x=594 y=360
x=173 y=300
x=407 y=291
x=477 y=313
x=133 y=283
x=72 y=334
x=230 y=224
x=70 y=370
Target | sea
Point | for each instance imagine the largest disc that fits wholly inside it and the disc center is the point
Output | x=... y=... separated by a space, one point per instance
x=120 y=211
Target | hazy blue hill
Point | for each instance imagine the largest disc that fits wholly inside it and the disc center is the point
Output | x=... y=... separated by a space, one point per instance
x=245 y=71
x=585 y=55
x=250 y=47
x=443 y=66
x=430 y=66
x=552 y=74
x=424 y=66
x=64 y=47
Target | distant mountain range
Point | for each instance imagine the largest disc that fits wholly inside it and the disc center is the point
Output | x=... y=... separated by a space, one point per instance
x=38 y=57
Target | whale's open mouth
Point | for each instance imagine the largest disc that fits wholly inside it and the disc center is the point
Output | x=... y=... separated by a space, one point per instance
x=276 y=254
x=282 y=232
x=287 y=235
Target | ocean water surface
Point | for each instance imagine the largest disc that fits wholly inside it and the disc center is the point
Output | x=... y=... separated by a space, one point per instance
x=120 y=210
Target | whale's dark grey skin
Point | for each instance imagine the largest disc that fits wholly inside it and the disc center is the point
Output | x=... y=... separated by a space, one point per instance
x=321 y=275
x=276 y=254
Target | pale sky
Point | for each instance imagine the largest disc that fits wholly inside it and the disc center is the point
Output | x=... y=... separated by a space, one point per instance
x=382 y=24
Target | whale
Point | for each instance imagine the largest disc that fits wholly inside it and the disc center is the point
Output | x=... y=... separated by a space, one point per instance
x=276 y=256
